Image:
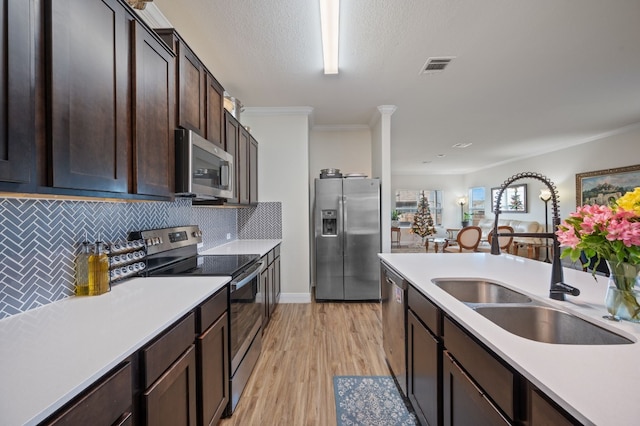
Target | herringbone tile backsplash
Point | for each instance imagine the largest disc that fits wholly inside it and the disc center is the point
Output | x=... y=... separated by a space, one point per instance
x=39 y=239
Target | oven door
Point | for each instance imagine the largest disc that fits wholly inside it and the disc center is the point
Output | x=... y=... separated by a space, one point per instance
x=246 y=314
x=203 y=170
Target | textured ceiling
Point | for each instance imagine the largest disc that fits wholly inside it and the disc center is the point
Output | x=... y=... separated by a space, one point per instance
x=529 y=76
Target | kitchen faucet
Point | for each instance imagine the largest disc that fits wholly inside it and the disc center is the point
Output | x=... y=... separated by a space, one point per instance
x=558 y=289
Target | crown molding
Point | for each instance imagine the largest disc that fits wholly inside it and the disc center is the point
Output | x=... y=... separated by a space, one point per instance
x=302 y=110
x=381 y=110
x=340 y=128
x=153 y=17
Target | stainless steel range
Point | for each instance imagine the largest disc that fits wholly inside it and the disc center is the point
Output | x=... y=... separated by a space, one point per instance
x=174 y=251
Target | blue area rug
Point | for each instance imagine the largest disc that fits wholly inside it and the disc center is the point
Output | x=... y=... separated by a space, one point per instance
x=370 y=400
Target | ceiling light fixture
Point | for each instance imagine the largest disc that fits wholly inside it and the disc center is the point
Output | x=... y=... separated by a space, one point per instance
x=330 y=23
x=462 y=145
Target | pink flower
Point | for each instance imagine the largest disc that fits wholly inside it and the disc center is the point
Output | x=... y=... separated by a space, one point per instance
x=568 y=237
x=609 y=232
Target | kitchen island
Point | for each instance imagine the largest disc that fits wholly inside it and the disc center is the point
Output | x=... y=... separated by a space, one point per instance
x=51 y=354
x=595 y=384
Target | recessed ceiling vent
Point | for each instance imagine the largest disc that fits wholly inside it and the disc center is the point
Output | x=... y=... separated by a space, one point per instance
x=434 y=65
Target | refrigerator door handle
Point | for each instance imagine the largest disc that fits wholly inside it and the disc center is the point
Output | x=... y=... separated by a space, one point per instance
x=342 y=220
x=344 y=223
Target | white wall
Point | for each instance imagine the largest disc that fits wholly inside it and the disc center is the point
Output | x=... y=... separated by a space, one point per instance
x=283 y=174
x=619 y=149
x=347 y=149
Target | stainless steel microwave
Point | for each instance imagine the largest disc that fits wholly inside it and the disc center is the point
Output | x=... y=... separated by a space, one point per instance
x=204 y=171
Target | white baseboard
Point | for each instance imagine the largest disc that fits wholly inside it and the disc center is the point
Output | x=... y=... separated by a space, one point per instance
x=295 y=297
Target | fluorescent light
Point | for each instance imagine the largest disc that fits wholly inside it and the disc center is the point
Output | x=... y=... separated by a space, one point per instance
x=330 y=23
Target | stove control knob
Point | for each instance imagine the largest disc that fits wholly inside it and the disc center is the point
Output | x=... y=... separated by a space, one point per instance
x=159 y=240
x=148 y=242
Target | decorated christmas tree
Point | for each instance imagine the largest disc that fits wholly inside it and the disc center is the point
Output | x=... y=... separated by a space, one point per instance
x=422 y=220
x=516 y=201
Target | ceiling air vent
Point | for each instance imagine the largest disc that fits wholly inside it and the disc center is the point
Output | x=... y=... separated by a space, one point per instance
x=434 y=65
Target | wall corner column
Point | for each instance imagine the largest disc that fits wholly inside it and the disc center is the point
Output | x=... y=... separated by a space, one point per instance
x=381 y=167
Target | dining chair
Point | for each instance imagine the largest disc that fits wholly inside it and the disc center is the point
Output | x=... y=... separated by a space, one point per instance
x=504 y=242
x=467 y=241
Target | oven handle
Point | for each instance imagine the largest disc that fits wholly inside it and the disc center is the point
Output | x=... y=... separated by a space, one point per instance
x=246 y=277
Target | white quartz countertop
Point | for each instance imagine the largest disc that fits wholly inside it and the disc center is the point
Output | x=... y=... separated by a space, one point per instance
x=50 y=354
x=596 y=384
x=260 y=247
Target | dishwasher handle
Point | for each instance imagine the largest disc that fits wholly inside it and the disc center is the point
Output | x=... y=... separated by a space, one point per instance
x=393 y=278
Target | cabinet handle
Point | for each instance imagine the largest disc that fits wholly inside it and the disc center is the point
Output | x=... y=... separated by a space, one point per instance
x=123 y=419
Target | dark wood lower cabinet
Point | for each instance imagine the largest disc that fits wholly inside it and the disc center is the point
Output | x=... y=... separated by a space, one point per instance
x=265 y=289
x=213 y=347
x=542 y=412
x=424 y=360
x=463 y=402
x=171 y=400
x=270 y=284
x=109 y=402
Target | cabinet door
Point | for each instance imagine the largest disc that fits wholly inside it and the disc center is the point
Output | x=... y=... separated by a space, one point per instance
x=423 y=364
x=463 y=402
x=253 y=172
x=108 y=402
x=17 y=80
x=265 y=285
x=215 y=97
x=153 y=170
x=88 y=94
x=272 y=290
x=276 y=277
x=213 y=349
x=242 y=166
x=542 y=412
x=231 y=134
x=192 y=91
x=171 y=400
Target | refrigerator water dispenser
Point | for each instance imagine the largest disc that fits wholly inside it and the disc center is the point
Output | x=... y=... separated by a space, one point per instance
x=329 y=223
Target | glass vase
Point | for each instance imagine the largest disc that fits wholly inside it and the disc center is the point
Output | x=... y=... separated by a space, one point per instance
x=623 y=299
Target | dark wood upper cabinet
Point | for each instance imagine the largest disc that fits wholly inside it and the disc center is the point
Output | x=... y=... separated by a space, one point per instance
x=199 y=95
x=215 y=98
x=253 y=171
x=17 y=85
x=154 y=94
x=231 y=136
x=88 y=61
x=242 y=165
x=192 y=79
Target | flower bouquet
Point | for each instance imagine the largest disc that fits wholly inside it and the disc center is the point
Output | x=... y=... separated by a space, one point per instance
x=610 y=234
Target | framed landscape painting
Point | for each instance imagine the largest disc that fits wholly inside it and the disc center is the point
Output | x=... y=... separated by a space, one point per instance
x=603 y=187
x=514 y=199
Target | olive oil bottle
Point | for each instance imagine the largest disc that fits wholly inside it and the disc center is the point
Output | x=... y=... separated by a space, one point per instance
x=82 y=269
x=98 y=271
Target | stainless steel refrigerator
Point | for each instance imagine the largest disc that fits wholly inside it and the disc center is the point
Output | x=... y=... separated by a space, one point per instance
x=347 y=239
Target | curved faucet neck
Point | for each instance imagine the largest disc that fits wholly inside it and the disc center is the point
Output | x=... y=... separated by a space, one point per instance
x=557 y=275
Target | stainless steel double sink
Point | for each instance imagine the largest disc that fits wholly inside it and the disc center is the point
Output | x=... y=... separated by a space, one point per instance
x=523 y=316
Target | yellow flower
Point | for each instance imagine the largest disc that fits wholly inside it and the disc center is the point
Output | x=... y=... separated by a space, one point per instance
x=630 y=201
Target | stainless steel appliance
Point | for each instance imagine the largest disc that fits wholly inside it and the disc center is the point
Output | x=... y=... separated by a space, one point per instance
x=173 y=251
x=203 y=170
x=347 y=239
x=394 y=323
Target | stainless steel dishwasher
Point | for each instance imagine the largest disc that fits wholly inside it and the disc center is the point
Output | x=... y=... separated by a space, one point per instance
x=394 y=320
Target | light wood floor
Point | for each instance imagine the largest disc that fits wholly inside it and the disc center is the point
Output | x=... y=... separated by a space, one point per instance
x=304 y=346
